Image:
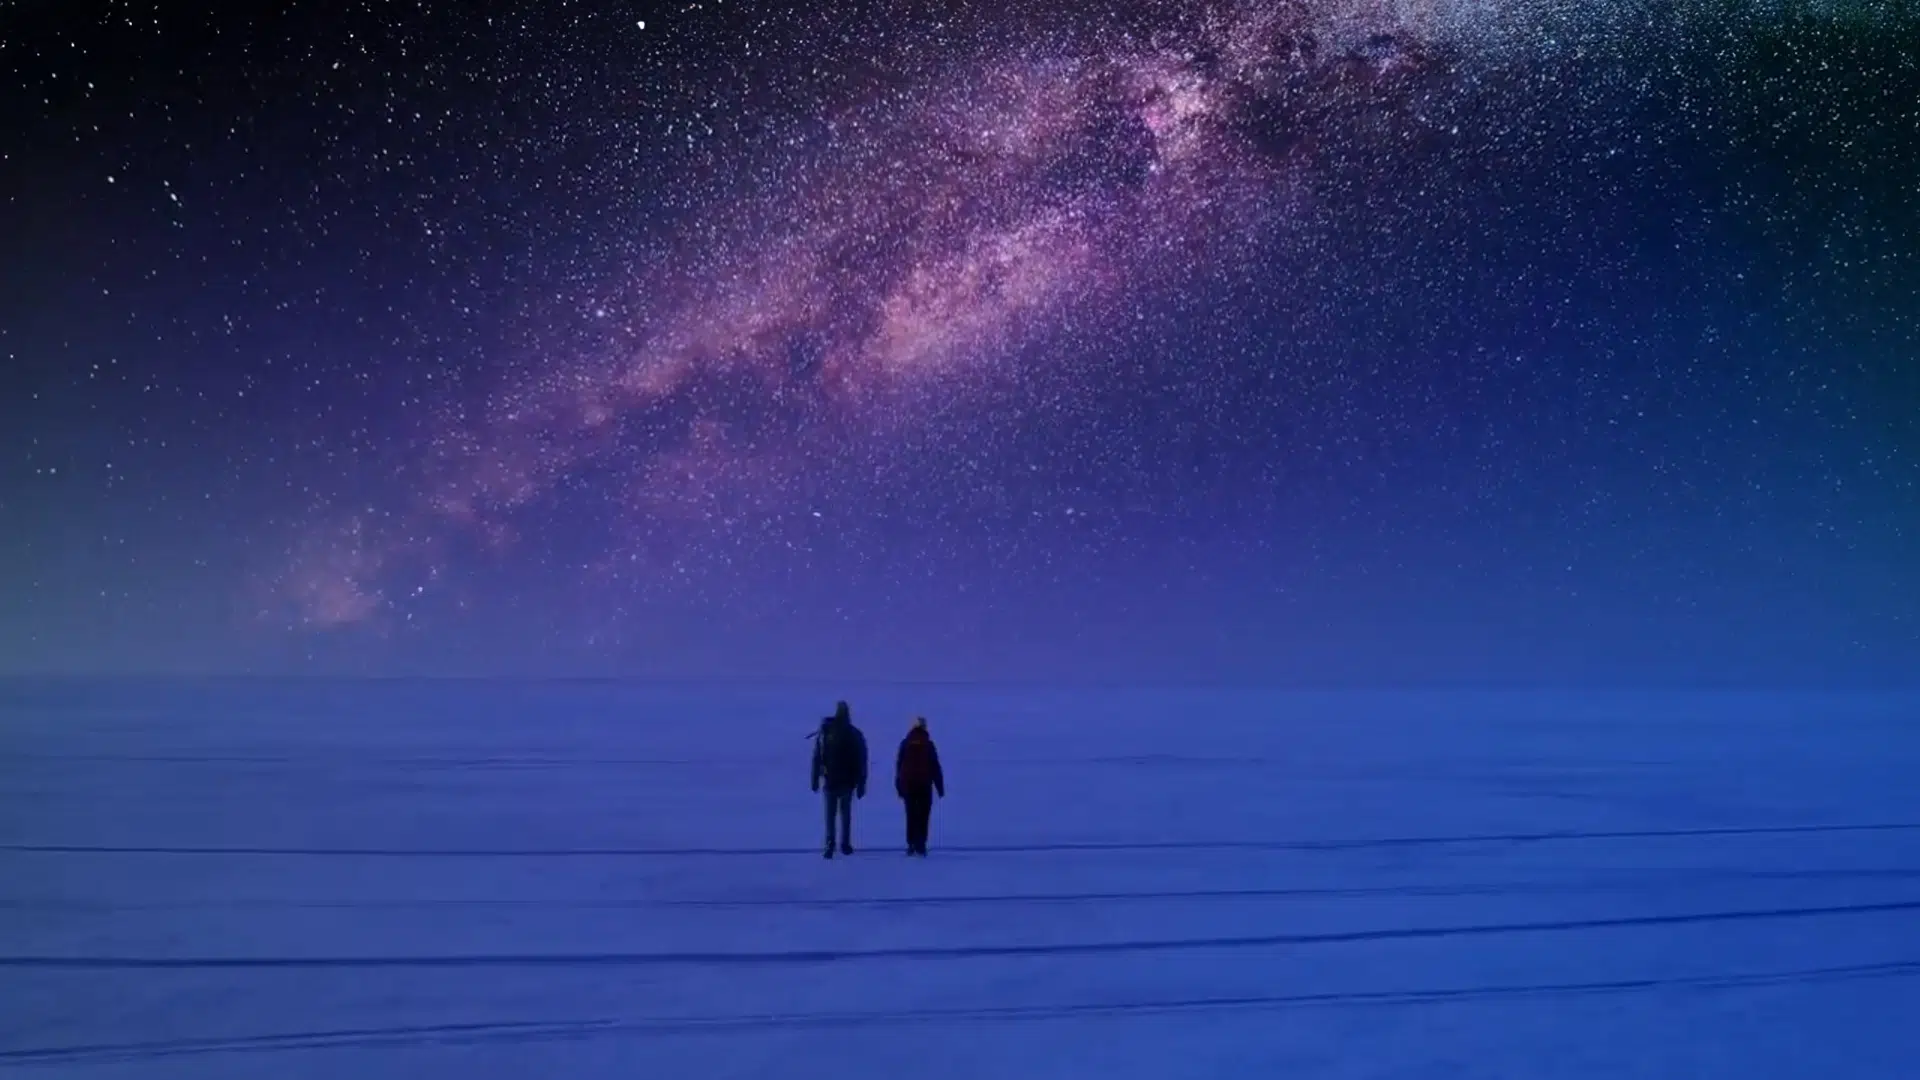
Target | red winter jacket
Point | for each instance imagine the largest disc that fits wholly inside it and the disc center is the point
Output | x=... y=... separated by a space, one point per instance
x=918 y=766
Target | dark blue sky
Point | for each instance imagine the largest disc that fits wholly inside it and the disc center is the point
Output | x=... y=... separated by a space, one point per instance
x=1510 y=342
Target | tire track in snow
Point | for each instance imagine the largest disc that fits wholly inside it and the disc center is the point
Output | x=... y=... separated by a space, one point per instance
x=1644 y=882
x=933 y=952
x=538 y=1031
x=1052 y=847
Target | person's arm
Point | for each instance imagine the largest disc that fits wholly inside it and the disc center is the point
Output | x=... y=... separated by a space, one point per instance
x=900 y=771
x=939 y=778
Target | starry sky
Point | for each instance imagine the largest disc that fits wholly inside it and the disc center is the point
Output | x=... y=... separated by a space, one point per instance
x=1369 y=342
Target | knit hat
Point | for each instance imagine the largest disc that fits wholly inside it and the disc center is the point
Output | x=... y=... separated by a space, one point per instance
x=920 y=723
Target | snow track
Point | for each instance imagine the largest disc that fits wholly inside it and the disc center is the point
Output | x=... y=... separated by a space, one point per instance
x=941 y=952
x=541 y=1031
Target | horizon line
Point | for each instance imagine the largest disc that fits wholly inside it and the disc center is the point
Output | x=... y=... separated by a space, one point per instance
x=1874 y=686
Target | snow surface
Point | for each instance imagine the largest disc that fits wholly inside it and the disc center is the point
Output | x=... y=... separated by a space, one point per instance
x=581 y=880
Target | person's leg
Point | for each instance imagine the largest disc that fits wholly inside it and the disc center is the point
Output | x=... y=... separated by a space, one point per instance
x=917 y=806
x=926 y=820
x=827 y=800
x=846 y=823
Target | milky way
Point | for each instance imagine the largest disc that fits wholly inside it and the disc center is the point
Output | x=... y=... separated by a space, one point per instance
x=837 y=294
x=901 y=257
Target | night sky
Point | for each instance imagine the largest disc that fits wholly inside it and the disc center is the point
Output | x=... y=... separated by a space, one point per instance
x=1322 y=341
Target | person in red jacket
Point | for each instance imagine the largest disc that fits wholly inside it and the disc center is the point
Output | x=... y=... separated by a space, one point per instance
x=917 y=779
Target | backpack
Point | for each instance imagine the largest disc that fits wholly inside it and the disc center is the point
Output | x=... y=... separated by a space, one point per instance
x=839 y=754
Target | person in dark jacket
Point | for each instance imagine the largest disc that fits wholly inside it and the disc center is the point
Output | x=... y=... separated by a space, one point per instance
x=917 y=779
x=840 y=765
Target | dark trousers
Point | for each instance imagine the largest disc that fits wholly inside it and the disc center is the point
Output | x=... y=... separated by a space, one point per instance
x=919 y=812
x=840 y=802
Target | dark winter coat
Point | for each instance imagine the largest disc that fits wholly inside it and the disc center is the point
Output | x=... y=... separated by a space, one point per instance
x=917 y=768
x=840 y=757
